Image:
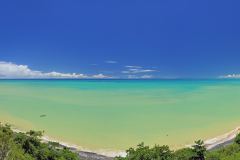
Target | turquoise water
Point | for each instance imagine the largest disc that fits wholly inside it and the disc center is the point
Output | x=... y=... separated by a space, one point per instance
x=117 y=114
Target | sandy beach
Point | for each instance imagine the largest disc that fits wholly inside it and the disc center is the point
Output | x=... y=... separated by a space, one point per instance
x=82 y=152
x=87 y=154
x=222 y=140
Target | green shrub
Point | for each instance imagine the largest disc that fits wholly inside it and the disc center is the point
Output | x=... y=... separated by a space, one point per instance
x=237 y=139
x=184 y=154
x=21 y=146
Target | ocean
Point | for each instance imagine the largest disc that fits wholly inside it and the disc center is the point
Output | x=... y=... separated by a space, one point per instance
x=113 y=115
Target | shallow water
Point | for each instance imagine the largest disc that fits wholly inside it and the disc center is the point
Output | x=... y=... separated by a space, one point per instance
x=118 y=114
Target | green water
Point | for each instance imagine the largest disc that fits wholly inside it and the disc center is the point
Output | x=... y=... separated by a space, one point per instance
x=118 y=114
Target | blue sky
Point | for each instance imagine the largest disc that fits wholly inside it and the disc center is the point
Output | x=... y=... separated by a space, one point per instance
x=161 y=38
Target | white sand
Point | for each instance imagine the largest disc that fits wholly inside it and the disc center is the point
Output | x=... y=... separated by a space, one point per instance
x=76 y=148
x=214 y=142
x=210 y=144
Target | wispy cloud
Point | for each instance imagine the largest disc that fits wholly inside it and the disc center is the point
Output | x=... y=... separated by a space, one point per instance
x=138 y=70
x=111 y=62
x=230 y=76
x=12 y=70
x=133 y=67
x=100 y=76
x=140 y=77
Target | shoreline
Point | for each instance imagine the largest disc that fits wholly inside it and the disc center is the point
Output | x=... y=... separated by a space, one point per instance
x=211 y=144
x=222 y=140
x=82 y=152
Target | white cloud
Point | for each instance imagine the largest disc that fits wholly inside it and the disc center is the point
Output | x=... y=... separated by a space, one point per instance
x=231 y=76
x=133 y=67
x=134 y=71
x=111 y=62
x=11 y=70
x=140 y=77
x=64 y=75
x=138 y=70
x=100 y=76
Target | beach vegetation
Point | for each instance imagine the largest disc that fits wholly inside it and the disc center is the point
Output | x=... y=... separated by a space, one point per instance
x=28 y=146
x=199 y=149
x=142 y=152
x=237 y=139
x=197 y=152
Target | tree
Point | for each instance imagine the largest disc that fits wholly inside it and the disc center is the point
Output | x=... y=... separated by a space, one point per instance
x=143 y=152
x=237 y=139
x=200 y=150
x=28 y=146
x=184 y=154
x=5 y=141
x=35 y=134
x=161 y=153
